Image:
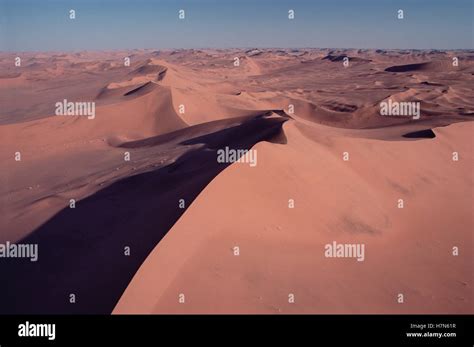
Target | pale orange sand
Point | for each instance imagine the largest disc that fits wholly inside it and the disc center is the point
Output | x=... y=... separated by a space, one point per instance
x=173 y=109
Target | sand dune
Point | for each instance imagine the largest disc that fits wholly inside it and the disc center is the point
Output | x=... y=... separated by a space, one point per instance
x=282 y=250
x=172 y=111
x=75 y=242
x=82 y=146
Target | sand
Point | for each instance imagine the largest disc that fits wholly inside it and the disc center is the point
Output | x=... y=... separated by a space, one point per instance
x=300 y=110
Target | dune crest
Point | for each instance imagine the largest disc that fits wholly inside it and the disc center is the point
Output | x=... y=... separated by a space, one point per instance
x=192 y=153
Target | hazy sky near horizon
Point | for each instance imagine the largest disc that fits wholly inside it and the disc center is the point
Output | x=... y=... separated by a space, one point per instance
x=44 y=25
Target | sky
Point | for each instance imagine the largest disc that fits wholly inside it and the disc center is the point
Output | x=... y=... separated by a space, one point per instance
x=44 y=25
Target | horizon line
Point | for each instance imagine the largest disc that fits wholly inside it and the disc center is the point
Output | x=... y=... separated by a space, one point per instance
x=235 y=48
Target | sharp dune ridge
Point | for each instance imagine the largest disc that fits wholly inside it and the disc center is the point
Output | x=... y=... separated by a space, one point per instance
x=74 y=244
x=300 y=110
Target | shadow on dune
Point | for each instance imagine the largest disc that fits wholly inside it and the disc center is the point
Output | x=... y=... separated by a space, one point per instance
x=421 y=134
x=81 y=250
x=408 y=67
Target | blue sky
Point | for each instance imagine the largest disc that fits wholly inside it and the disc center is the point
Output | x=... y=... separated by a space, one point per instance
x=44 y=25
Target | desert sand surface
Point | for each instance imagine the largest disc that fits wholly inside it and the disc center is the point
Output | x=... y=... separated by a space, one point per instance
x=321 y=143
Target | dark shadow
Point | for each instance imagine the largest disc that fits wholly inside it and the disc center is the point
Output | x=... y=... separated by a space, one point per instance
x=407 y=67
x=143 y=88
x=81 y=250
x=336 y=58
x=421 y=134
